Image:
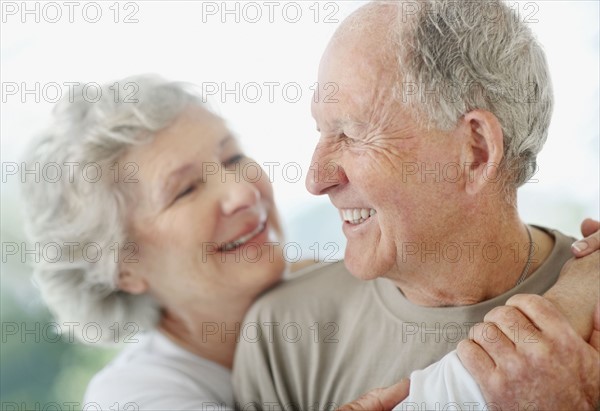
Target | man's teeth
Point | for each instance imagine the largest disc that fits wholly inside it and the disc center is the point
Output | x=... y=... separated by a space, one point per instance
x=357 y=215
x=243 y=239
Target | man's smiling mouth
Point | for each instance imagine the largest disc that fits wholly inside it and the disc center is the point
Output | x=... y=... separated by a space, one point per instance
x=356 y=215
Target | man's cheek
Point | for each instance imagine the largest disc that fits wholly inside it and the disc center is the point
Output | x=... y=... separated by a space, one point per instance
x=379 y=162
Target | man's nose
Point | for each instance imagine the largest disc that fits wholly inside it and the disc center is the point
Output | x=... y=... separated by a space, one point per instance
x=238 y=196
x=325 y=171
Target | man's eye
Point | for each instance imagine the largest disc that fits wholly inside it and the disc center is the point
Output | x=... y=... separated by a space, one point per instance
x=233 y=160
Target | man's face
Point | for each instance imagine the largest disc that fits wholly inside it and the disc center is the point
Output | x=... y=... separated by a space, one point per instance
x=370 y=161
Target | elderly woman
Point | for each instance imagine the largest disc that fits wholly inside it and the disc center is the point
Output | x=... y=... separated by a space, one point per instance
x=154 y=218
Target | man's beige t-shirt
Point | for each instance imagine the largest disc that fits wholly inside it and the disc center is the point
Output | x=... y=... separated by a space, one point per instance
x=325 y=338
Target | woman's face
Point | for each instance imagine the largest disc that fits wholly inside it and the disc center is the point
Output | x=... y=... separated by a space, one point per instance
x=203 y=216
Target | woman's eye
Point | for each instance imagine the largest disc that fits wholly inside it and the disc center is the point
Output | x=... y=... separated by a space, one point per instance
x=188 y=190
x=233 y=160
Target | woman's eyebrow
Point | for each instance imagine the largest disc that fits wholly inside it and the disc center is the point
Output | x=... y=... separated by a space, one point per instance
x=164 y=188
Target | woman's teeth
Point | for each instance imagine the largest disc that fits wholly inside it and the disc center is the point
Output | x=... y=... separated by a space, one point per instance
x=357 y=215
x=243 y=239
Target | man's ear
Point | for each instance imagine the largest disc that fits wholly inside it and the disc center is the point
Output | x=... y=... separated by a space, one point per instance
x=131 y=282
x=483 y=150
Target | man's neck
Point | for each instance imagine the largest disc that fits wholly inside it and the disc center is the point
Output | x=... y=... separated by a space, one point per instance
x=474 y=266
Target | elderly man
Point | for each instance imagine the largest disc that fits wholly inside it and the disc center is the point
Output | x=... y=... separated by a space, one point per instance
x=438 y=119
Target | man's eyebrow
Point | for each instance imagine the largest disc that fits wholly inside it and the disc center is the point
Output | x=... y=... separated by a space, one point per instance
x=350 y=125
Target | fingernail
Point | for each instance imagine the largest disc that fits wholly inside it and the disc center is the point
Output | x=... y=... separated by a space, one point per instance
x=580 y=245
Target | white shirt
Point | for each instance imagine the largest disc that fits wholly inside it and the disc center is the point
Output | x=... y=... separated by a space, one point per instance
x=157 y=374
x=444 y=385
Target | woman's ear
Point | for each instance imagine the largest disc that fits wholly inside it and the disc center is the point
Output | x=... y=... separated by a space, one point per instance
x=132 y=283
x=483 y=150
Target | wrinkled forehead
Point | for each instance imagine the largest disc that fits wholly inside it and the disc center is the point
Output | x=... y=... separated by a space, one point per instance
x=356 y=74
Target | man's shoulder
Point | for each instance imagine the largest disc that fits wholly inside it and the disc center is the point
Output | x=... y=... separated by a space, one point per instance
x=558 y=255
x=562 y=240
x=318 y=286
x=314 y=280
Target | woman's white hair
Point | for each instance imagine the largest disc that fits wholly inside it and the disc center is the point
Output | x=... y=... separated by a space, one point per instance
x=78 y=219
x=457 y=56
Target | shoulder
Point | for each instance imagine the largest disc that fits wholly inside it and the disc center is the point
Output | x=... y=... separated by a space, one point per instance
x=562 y=242
x=444 y=382
x=118 y=387
x=154 y=376
x=558 y=254
x=319 y=286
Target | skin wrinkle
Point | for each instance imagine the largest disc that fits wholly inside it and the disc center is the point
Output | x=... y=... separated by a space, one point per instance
x=368 y=164
x=185 y=278
x=381 y=125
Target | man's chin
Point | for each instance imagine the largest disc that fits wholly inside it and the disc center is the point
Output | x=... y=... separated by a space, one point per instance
x=362 y=267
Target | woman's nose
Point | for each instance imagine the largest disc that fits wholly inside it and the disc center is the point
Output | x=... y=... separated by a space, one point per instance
x=239 y=196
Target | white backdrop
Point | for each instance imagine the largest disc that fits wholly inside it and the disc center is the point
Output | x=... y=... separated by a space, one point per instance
x=275 y=46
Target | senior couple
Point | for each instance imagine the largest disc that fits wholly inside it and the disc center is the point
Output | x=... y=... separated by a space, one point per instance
x=394 y=308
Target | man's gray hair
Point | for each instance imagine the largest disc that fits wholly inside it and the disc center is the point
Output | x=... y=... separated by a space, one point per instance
x=79 y=219
x=458 y=56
